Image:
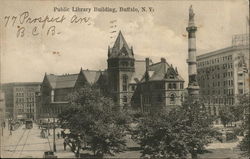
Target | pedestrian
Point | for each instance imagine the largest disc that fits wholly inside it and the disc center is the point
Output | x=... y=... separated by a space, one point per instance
x=73 y=148
x=64 y=145
x=63 y=134
x=58 y=135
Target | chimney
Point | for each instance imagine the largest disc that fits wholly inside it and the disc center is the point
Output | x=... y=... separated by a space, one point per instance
x=109 y=53
x=163 y=60
x=147 y=63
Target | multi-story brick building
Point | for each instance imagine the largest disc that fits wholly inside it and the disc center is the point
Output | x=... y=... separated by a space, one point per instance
x=223 y=74
x=56 y=88
x=161 y=87
x=127 y=81
x=2 y=108
x=21 y=99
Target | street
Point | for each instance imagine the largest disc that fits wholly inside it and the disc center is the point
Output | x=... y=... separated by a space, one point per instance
x=27 y=143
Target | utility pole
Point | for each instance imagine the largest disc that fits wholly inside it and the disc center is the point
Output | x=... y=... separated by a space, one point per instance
x=1 y=145
x=30 y=112
x=54 y=134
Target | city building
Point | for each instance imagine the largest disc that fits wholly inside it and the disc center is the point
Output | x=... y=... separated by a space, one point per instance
x=2 y=111
x=161 y=87
x=139 y=84
x=223 y=74
x=2 y=107
x=56 y=88
x=20 y=99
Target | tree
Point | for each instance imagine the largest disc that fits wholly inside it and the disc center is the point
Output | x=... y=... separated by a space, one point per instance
x=226 y=115
x=175 y=134
x=94 y=120
x=245 y=145
x=244 y=101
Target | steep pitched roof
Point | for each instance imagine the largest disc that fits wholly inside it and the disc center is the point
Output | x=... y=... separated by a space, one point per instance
x=92 y=76
x=140 y=67
x=158 y=72
x=120 y=48
x=52 y=80
x=62 y=81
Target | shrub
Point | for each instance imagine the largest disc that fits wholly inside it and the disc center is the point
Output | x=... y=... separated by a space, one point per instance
x=230 y=136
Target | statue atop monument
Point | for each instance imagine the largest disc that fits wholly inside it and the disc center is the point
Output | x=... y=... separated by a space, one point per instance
x=191 y=16
x=191 y=13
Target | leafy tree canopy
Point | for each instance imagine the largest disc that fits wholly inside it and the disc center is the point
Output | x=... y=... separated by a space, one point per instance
x=175 y=134
x=95 y=119
x=244 y=104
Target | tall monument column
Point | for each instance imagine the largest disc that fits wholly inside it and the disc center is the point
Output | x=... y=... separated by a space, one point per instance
x=193 y=87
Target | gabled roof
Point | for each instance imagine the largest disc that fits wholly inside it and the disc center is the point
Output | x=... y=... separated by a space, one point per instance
x=158 y=71
x=92 y=76
x=120 y=48
x=62 y=81
x=140 y=68
x=52 y=80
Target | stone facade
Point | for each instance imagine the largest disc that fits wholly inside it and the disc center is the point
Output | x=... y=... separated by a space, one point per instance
x=21 y=99
x=222 y=75
x=161 y=87
x=124 y=81
x=2 y=108
x=56 y=88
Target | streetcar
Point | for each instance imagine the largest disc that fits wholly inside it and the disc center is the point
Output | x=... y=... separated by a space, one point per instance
x=28 y=124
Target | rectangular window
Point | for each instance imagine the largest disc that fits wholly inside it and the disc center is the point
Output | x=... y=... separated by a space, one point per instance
x=133 y=87
x=124 y=82
x=124 y=88
x=181 y=85
x=174 y=85
x=240 y=91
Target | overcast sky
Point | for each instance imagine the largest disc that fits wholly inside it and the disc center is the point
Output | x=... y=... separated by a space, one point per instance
x=157 y=34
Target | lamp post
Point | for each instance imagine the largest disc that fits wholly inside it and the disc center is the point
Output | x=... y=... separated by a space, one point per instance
x=54 y=129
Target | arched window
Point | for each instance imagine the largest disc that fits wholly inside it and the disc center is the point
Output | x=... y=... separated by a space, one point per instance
x=172 y=99
x=169 y=86
x=174 y=85
x=124 y=82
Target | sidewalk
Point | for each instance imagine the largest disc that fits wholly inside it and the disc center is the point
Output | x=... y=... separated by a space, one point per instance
x=60 y=153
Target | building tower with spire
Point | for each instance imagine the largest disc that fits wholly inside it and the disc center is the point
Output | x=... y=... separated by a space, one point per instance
x=120 y=70
x=193 y=87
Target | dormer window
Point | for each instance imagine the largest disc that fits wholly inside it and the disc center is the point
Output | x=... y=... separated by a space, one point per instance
x=171 y=76
x=124 y=53
x=124 y=63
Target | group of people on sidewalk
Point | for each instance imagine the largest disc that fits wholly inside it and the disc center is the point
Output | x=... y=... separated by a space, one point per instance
x=74 y=144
